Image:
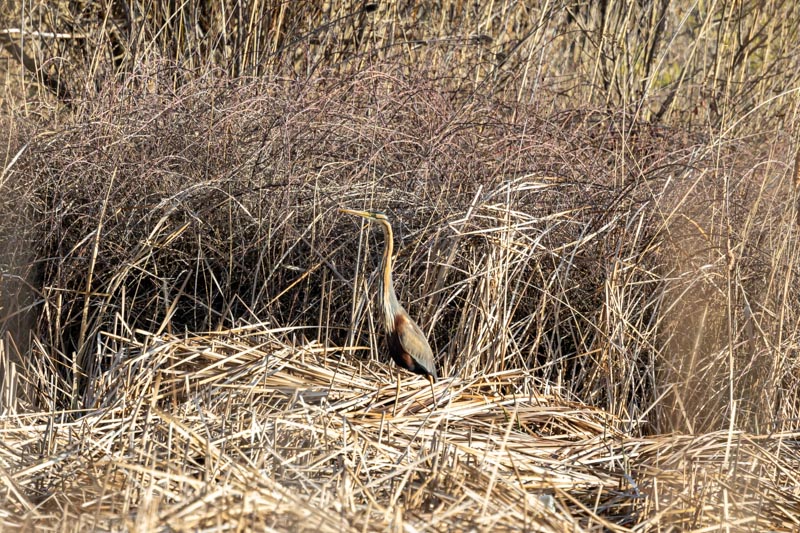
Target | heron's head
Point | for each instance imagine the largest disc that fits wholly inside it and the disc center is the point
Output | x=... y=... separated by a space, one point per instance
x=371 y=215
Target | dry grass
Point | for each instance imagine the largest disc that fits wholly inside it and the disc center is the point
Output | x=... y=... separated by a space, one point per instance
x=239 y=428
x=719 y=66
x=188 y=334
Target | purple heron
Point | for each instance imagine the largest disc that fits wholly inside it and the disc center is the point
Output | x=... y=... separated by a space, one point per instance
x=407 y=343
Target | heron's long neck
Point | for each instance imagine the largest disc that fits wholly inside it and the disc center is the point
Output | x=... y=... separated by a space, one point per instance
x=390 y=304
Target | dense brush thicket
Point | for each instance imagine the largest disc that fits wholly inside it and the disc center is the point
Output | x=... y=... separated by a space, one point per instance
x=560 y=243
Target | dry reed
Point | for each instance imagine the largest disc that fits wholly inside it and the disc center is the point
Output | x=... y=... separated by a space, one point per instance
x=188 y=333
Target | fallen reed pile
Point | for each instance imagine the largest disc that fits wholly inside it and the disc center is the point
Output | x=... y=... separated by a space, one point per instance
x=249 y=429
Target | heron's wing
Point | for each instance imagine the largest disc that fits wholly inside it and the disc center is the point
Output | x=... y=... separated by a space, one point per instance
x=414 y=343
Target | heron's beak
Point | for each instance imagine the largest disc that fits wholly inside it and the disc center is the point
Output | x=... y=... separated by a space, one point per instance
x=364 y=214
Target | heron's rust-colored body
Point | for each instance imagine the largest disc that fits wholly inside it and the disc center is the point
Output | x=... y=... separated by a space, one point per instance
x=409 y=348
x=407 y=343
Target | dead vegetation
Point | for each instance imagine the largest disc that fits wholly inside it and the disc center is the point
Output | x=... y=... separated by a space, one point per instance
x=189 y=336
x=238 y=429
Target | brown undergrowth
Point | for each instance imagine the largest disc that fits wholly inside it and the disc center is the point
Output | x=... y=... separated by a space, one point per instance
x=595 y=217
x=578 y=293
x=240 y=428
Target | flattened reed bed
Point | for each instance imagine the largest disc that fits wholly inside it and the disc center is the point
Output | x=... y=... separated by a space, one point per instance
x=243 y=428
